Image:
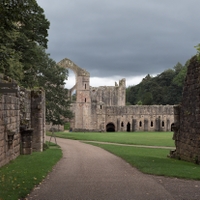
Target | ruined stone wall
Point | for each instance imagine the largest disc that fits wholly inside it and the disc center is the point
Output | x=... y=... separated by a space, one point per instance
x=38 y=118
x=187 y=117
x=109 y=95
x=9 y=125
x=136 y=118
x=97 y=107
x=21 y=110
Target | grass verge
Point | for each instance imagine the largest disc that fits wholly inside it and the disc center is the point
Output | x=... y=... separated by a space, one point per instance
x=154 y=161
x=20 y=176
x=136 y=138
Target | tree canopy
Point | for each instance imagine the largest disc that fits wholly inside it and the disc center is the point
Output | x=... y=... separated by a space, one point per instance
x=23 y=38
x=165 y=88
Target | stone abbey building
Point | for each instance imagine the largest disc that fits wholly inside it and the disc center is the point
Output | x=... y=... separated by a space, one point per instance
x=104 y=109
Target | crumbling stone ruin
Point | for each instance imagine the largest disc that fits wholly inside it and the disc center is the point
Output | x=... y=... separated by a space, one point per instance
x=104 y=108
x=187 y=117
x=22 y=120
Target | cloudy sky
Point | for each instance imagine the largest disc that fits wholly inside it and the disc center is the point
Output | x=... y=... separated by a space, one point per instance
x=114 y=39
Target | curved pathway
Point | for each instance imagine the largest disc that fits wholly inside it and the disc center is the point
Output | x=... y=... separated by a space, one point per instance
x=87 y=172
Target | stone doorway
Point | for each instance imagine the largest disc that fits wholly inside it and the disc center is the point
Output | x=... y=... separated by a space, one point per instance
x=128 y=127
x=110 y=127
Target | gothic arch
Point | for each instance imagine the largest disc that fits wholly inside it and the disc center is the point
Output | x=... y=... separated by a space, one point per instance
x=110 y=127
x=66 y=63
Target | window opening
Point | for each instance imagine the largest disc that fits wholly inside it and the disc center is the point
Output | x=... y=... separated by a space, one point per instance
x=128 y=127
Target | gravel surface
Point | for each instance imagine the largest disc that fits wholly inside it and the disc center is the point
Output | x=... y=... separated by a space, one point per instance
x=87 y=172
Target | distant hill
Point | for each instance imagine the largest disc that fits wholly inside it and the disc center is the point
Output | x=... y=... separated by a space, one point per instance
x=165 y=88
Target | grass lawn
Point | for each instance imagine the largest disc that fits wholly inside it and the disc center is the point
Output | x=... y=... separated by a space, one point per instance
x=137 y=138
x=20 y=176
x=154 y=161
x=147 y=160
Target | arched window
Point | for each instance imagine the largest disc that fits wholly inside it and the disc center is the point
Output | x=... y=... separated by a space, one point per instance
x=100 y=106
x=128 y=127
x=85 y=86
x=110 y=127
x=85 y=99
x=122 y=124
x=151 y=123
x=163 y=123
x=140 y=124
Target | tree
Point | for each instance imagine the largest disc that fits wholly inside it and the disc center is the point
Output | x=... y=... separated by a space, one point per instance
x=23 y=38
x=147 y=99
x=23 y=26
x=165 y=88
x=52 y=78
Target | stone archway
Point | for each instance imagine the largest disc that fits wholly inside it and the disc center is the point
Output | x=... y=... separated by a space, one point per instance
x=110 y=127
x=128 y=127
x=79 y=72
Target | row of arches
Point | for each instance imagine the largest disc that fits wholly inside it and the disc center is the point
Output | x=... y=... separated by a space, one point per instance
x=159 y=126
x=110 y=127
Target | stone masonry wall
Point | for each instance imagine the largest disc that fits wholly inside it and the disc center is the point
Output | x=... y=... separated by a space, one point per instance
x=38 y=118
x=9 y=125
x=187 y=117
x=9 y=120
x=18 y=110
x=136 y=118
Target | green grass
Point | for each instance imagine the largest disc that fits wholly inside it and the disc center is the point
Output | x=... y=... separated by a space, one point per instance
x=154 y=161
x=20 y=176
x=147 y=160
x=137 y=138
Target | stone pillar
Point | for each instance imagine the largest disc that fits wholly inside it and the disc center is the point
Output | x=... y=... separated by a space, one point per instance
x=38 y=119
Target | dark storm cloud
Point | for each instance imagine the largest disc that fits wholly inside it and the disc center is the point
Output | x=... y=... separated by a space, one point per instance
x=123 y=38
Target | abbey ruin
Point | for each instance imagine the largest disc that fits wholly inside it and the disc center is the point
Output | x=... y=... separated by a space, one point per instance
x=104 y=109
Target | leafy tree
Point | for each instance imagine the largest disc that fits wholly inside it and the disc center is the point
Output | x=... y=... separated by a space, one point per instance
x=147 y=99
x=52 y=78
x=165 y=88
x=23 y=38
x=180 y=77
x=23 y=26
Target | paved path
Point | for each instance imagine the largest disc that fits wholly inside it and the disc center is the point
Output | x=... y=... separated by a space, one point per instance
x=130 y=145
x=87 y=172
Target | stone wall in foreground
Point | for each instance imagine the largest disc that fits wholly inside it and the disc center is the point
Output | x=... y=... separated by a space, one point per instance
x=9 y=128
x=187 y=117
x=22 y=121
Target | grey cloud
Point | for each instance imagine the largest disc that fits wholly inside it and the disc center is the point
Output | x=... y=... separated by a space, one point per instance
x=123 y=38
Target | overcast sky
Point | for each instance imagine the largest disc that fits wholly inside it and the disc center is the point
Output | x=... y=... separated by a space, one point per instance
x=114 y=39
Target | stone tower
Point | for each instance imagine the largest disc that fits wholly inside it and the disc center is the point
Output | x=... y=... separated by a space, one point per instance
x=82 y=86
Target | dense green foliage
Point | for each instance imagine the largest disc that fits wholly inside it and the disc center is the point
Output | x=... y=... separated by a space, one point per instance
x=23 y=39
x=135 y=138
x=165 y=88
x=23 y=26
x=20 y=176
